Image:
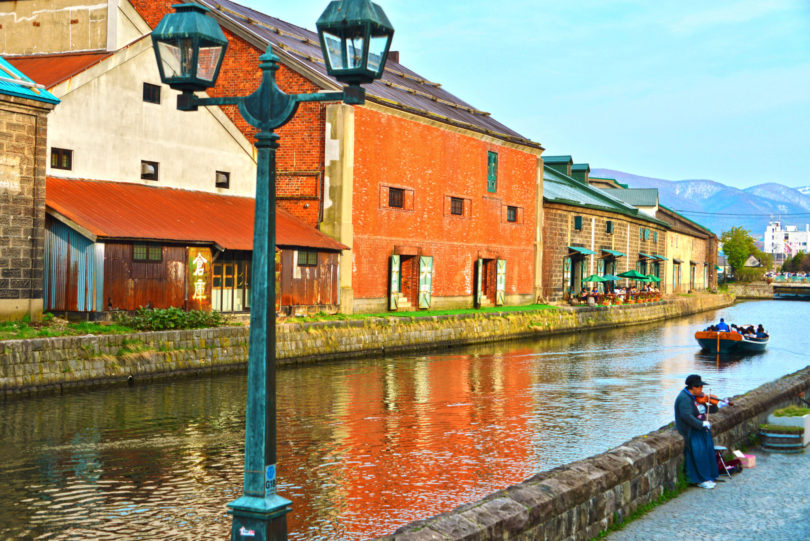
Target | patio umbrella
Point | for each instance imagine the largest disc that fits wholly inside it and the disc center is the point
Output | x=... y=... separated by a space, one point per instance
x=593 y=278
x=635 y=275
x=653 y=278
x=610 y=278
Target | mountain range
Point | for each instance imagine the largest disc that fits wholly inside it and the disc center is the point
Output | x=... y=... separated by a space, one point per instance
x=719 y=207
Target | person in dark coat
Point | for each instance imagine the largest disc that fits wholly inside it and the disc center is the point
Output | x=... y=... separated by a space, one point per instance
x=701 y=466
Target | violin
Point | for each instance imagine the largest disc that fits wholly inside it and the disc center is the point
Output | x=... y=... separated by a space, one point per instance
x=711 y=399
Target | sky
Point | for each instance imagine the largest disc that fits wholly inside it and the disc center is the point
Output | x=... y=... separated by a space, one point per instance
x=676 y=90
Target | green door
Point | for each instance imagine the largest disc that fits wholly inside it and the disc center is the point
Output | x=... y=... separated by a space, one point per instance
x=500 y=283
x=425 y=280
x=479 y=282
x=393 y=284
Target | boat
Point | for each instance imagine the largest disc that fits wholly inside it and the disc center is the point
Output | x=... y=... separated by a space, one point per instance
x=729 y=342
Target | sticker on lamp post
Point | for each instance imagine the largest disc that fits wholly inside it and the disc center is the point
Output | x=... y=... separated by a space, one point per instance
x=270 y=481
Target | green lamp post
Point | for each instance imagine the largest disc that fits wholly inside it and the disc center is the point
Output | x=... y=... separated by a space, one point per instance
x=190 y=46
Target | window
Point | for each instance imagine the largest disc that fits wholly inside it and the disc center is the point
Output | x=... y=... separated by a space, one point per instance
x=151 y=93
x=307 y=258
x=511 y=214
x=655 y=236
x=223 y=179
x=578 y=223
x=396 y=197
x=646 y=234
x=61 y=158
x=147 y=252
x=492 y=172
x=609 y=226
x=457 y=206
x=149 y=170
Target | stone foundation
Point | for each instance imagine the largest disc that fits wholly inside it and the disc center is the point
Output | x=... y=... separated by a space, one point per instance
x=753 y=290
x=52 y=364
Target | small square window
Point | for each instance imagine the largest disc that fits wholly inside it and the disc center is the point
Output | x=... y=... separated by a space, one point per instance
x=511 y=214
x=396 y=197
x=223 y=179
x=155 y=253
x=61 y=158
x=609 y=226
x=149 y=170
x=151 y=93
x=147 y=252
x=139 y=252
x=457 y=206
x=578 y=223
x=307 y=258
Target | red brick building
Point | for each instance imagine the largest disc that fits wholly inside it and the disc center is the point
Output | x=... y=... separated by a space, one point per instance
x=439 y=203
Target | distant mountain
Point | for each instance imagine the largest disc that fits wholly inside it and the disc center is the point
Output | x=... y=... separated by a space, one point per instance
x=719 y=207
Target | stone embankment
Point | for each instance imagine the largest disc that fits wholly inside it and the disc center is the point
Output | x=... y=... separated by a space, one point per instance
x=582 y=499
x=53 y=364
x=752 y=290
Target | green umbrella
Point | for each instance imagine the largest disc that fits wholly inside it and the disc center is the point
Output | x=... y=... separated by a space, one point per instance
x=593 y=278
x=653 y=278
x=610 y=278
x=634 y=275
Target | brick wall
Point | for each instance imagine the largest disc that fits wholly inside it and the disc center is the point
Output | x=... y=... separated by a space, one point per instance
x=559 y=233
x=432 y=163
x=23 y=132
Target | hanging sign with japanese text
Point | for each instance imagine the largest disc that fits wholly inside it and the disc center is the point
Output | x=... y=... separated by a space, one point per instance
x=198 y=294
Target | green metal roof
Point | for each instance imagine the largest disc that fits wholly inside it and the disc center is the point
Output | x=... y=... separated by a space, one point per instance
x=662 y=258
x=580 y=167
x=581 y=250
x=558 y=159
x=560 y=188
x=648 y=256
x=638 y=197
x=13 y=82
x=614 y=253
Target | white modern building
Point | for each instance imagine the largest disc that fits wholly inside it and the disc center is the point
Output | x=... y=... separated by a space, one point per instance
x=785 y=241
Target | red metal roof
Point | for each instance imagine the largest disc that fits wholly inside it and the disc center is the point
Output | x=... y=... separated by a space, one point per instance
x=51 y=69
x=120 y=210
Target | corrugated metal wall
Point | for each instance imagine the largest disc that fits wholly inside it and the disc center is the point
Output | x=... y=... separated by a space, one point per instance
x=309 y=286
x=74 y=278
x=129 y=284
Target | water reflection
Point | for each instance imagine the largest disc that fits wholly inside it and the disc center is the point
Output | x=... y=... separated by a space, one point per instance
x=365 y=446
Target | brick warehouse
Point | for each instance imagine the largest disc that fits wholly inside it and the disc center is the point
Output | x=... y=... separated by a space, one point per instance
x=23 y=133
x=439 y=203
x=587 y=231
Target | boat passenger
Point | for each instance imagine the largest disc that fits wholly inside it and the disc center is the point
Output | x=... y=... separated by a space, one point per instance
x=722 y=327
x=761 y=332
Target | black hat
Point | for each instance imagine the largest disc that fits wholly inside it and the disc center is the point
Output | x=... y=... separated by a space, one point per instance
x=694 y=381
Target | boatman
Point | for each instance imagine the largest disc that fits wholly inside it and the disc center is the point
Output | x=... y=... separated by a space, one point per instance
x=722 y=327
x=701 y=467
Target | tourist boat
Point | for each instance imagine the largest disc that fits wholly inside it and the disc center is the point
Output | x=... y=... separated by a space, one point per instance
x=729 y=342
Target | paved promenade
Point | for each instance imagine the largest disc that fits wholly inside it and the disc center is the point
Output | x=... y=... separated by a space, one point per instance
x=767 y=503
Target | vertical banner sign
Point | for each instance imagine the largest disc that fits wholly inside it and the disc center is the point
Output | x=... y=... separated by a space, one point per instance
x=393 y=295
x=425 y=280
x=500 y=283
x=566 y=276
x=199 y=278
x=479 y=282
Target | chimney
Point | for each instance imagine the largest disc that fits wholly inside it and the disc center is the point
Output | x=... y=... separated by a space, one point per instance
x=393 y=56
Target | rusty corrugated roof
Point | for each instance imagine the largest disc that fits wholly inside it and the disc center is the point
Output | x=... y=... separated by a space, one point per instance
x=51 y=69
x=399 y=86
x=120 y=210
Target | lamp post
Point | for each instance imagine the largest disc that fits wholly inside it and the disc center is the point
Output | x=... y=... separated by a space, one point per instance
x=189 y=46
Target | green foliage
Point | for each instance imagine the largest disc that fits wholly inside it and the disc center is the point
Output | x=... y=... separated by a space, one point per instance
x=782 y=429
x=738 y=244
x=791 y=411
x=321 y=316
x=798 y=263
x=748 y=274
x=164 y=319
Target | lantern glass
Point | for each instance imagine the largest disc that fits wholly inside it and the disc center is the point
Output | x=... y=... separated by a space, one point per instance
x=355 y=51
x=208 y=62
x=334 y=50
x=377 y=51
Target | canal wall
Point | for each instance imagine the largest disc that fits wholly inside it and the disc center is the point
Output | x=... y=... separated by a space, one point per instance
x=752 y=290
x=582 y=499
x=54 y=364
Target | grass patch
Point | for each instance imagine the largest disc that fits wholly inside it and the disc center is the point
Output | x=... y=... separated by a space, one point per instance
x=321 y=316
x=791 y=411
x=646 y=508
x=782 y=429
x=50 y=327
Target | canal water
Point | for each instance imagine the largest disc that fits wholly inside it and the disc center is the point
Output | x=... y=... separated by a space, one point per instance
x=367 y=446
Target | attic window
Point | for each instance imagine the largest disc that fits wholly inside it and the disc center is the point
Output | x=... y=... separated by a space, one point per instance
x=223 y=179
x=61 y=158
x=149 y=170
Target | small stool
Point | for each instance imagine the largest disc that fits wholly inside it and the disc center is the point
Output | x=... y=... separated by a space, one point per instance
x=718 y=453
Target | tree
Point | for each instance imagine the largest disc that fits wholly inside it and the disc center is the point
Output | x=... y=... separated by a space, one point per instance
x=738 y=244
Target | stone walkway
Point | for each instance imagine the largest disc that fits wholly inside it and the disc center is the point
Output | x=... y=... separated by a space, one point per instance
x=766 y=503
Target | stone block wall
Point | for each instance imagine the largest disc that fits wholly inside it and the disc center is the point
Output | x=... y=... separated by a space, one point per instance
x=52 y=364
x=582 y=499
x=753 y=290
x=23 y=132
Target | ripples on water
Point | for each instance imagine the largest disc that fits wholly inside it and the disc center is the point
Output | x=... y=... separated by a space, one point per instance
x=364 y=447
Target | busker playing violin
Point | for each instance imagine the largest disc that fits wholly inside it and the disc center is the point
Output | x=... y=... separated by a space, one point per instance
x=701 y=466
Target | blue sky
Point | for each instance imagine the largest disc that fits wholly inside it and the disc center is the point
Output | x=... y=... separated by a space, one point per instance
x=669 y=89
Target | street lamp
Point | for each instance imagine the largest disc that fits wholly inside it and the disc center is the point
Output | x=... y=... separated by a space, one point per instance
x=189 y=46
